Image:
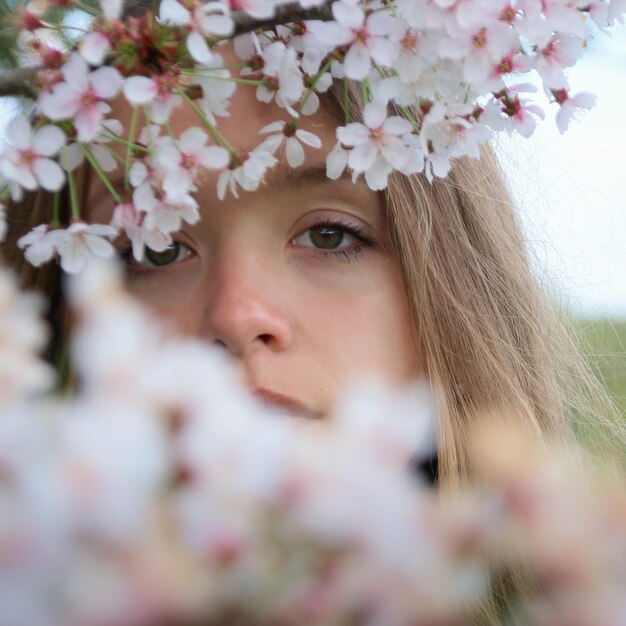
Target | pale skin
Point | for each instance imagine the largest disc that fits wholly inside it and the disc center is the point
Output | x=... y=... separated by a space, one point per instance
x=298 y=281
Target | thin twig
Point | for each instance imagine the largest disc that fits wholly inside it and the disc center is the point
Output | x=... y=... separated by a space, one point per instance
x=19 y=82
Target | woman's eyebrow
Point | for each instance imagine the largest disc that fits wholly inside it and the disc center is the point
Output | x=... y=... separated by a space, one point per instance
x=283 y=178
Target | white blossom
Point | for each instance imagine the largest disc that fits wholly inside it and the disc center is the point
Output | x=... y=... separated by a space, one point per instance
x=72 y=155
x=25 y=157
x=569 y=104
x=245 y=170
x=210 y=18
x=41 y=244
x=80 y=242
x=291 y=139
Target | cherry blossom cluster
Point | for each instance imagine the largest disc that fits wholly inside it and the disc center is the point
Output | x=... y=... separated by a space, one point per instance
x=436 y=79
x=160 y=493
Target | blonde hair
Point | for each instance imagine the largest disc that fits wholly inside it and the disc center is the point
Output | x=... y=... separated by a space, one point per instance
x=490 y=340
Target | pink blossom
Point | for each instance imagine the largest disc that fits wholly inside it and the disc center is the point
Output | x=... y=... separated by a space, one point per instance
x=96 y=44
x=367 y=36
x=377 y=145
x=25 y=157
x=558 y=54
x=181 y=162
x=82 y=96
x=514 y=113
x=479 y=49
x=570 y=104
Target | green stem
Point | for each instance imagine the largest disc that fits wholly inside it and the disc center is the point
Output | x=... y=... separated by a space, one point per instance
x=73 y=196
x=409 y=116
x=86 y=8
x=216 y=134
x=365 y=91
x=131 y=138
x=346 y=99
x=115 y=155
x=102 y=175
x=241 y=81
x=132 y=146
x=56 y=210
x=316 y=79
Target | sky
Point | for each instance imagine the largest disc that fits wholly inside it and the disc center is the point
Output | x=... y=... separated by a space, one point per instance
x=571 y=189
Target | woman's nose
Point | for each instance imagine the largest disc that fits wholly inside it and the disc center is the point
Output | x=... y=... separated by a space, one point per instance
x=245 y=307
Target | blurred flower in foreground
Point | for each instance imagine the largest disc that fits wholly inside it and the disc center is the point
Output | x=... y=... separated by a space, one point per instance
x=161 y=493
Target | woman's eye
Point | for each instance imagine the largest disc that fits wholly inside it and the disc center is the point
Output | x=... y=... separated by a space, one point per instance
x=326 y=238
x=153 y=258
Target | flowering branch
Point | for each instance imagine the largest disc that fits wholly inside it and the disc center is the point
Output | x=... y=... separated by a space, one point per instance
x=451 y=72
x=22 y=81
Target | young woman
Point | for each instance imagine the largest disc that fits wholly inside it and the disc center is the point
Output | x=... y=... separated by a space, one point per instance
x=309 y=282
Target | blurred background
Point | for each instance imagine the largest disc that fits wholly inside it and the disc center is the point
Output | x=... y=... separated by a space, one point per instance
x=571 y=194
x=570 y=190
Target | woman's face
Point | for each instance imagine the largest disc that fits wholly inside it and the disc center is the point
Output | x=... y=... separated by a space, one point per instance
x=298 y=281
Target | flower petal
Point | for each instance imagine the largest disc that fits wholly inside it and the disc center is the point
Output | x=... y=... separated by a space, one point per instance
x=214 y=157
x=75 y=72
x=357 y=63
x=192 y=140
x=19 y=132
x=48 y=174
x=74 y=255
x=173 y=12
x=61 y=104
x=139 y=90
x=274 y=127
x=353 y=134
x=362 y=157
x=349 y=15
x=93 y=47
x=374 y=114
x=106 y=82
x=71 y=157
x=198 y=47
x=309 y=138
x=87 y=122
x=99 y=246
x=104 y=157
x=336 y=162
x=294 y=152
x=48 y=140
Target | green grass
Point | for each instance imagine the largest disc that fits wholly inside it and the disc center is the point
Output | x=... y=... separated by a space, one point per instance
x=604 y=342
